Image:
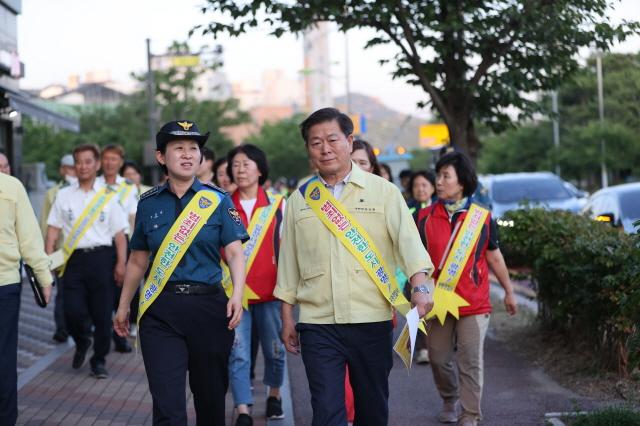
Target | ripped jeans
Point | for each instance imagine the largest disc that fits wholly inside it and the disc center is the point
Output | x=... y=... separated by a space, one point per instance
x=268 y=324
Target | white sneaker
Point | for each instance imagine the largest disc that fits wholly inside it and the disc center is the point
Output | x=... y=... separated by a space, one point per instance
x=422 y=357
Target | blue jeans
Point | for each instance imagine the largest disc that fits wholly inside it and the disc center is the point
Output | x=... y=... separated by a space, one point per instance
x=268 y=323
x=9 y=309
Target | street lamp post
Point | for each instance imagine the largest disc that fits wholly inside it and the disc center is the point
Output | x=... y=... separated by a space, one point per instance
x=151 y=105
x=603 y=165
x=556 y=128
x=346 y=72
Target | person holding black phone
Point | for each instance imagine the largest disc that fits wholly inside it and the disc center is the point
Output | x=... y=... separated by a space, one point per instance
x=20 y=239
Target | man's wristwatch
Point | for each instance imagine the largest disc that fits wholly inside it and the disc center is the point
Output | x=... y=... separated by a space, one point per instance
x=420 y=289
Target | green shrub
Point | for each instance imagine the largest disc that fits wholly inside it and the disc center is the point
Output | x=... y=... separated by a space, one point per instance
x=588 y=280
x=613 y=416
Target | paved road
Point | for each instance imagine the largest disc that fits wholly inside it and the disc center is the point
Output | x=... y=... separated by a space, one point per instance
x=514 y=394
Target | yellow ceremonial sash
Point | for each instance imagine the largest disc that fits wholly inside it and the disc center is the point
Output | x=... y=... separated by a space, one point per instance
x=176 y=243
x=84 y=222
x=123 y=192
x=258 y=227
x=355 y=239
x=446 y=300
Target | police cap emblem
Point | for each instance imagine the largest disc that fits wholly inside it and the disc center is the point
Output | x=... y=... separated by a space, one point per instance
x=185 y=125
x=315 y=194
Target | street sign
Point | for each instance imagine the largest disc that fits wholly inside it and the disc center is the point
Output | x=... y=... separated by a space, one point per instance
x=359 y=124
x=433 y=136
x=185 y=61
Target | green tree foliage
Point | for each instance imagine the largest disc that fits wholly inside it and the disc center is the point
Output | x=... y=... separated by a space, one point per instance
x=42 y=143
x=422 y=159
x=127 y=123
x=284 y=146
x=530 y=147
x=474 y=60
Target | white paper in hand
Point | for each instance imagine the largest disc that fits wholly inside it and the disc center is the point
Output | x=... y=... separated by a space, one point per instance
x=413 y=320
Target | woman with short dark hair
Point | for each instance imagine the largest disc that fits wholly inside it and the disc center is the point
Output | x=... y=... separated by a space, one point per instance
x=362 y=154
x=220 y=176
x=439 y=226
x=262 y=213
x=422 y=187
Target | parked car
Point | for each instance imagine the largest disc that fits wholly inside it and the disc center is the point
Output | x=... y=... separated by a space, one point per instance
x=511 y=191
x=618 y=205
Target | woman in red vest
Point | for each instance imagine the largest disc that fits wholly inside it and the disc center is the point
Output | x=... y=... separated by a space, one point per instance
x=439 y=224
x=258 y=210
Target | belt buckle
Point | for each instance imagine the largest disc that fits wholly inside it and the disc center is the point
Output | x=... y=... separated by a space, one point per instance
x=182 y=289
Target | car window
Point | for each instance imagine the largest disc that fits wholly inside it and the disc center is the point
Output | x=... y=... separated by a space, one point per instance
x=510 y=191
x=630 y=204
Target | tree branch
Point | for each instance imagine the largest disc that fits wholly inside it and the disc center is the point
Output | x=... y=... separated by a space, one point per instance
x=491 y=57
x=414 y=60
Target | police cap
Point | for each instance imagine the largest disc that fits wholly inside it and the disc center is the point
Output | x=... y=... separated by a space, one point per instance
x=179 y=130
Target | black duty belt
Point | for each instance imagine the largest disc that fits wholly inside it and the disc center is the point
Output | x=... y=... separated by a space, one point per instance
x=192 y=288
x=91 y=249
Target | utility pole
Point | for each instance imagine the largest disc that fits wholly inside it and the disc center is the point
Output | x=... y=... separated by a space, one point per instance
x=346 y=71
x=556 y=128
x=603 y=165
x=151 y=96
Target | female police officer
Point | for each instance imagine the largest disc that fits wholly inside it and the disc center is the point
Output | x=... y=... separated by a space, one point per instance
x=185 y=321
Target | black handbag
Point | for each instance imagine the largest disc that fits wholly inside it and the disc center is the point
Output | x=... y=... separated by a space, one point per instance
x=38 y=294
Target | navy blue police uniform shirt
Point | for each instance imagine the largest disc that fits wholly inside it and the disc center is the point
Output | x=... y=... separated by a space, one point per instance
x=157 y=211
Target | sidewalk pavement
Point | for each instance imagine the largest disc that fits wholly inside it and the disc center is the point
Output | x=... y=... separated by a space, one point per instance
x=60 y=395
x=515 y=392
x=50 y=392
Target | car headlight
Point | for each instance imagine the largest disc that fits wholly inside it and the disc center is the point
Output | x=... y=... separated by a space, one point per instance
x=506 y=223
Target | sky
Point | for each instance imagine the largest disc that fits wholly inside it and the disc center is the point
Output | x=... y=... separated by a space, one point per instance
x=64 y=37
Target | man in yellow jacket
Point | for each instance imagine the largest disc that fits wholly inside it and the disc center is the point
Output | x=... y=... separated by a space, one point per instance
x=20 y=239
x=325 y=268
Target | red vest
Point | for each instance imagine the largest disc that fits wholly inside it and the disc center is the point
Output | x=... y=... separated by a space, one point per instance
x=264 y=271
x=435 y=229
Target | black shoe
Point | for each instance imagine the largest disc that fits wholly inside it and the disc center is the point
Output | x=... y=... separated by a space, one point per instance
x=244 y=420
x=80 y=357
x=123 y=348
x=274 y=408
x=61 y=336
x=99 y=372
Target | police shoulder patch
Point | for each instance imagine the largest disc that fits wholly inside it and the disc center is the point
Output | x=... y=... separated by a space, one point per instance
x=149 y=193
x=212 y=186
x=235 y=215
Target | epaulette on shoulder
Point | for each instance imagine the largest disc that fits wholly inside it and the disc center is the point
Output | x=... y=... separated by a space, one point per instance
x=212 y=186
x=149 y=193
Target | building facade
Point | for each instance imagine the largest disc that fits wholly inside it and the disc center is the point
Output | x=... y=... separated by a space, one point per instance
x=13 y=102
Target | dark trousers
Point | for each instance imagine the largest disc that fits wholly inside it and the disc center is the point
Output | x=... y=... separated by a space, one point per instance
x=187 y=333
x=88 y=298
x=58 y=308
x=9 y=309
x=367 y=349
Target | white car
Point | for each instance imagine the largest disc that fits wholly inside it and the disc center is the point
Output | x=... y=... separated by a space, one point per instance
x=618 y=205
x=511 y=191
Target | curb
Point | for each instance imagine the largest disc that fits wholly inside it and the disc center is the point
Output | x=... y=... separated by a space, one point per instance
x=27 y=375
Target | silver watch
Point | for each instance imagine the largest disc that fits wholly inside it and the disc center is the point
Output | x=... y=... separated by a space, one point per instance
x=420 y=289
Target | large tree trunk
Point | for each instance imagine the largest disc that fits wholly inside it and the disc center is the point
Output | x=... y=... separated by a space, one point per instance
x=463 y=137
